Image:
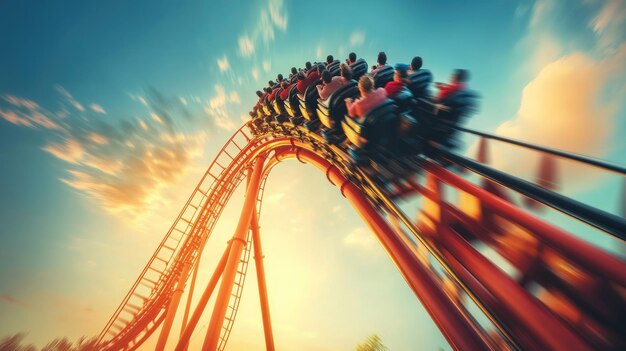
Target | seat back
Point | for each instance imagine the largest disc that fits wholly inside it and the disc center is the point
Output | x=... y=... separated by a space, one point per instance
x=403 y=99
x=308 y=106
x=336 y=102
x=359 y=68
x=333 y=68
x=462 y=105
x=420 y=81
x=279 y=104
x=267 y=109
x=353 y=130
x=383 y=76
x=381 y=123
x=292 y=104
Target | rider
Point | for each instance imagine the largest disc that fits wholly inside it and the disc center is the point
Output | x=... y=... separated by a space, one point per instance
x=370 y=98
x=399 y=80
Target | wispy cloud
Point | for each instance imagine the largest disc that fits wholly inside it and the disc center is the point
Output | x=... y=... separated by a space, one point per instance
x=357 y=38
x=223 y=64
x=577 y=89
x=246 y=46
x=272 y=16
x=97 y=109
x=362 y=238
x=27 y=113
x=121 y=163
x=219 y=109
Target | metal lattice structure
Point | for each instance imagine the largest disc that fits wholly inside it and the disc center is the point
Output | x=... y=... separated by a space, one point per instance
x=580 y=304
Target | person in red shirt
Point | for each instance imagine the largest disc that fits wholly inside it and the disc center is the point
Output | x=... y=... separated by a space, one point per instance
x=284 y=94
x=313 y=75
x=457 y=82
x=399 y=80
x=272 y=95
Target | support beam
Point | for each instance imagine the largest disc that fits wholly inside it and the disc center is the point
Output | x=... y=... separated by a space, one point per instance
x=183 y=343
x=191 y=289
x=238 y=243
x=260 y=274
x=173 y=307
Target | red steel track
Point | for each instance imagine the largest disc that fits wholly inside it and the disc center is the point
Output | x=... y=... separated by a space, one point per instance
x=567 y=294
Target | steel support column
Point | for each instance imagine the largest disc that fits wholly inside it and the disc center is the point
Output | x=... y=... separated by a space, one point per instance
x=173 y=307
x=238 y=243
x=260 y=274
x=183 y=343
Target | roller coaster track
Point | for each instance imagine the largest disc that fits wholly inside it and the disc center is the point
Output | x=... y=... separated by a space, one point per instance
x=582 y=288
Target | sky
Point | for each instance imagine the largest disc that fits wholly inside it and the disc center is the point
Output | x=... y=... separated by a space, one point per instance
x=111 y=111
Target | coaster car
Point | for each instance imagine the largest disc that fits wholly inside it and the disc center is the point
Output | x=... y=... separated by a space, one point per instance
x=333 y=68
x=308 y=102
x=308 y=106
x=419 y=83
x=332 y=112
x=383 y=76
x=292 y=106
x=404 y=100
x=359 y=68
x=437 y=125
x=377 y=128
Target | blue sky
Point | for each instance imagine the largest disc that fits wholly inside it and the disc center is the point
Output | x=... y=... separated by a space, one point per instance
x=111 y=111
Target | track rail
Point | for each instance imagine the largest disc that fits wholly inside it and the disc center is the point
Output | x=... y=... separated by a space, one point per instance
x=511 y=329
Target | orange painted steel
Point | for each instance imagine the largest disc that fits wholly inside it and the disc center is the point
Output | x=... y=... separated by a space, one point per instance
x=520 y=318
x=260 y=273
x=183 y=342
x=459 y=333
x=172 y=308
x=236 y=249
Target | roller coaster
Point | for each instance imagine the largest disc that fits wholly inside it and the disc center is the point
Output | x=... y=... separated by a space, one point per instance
x=565 y=293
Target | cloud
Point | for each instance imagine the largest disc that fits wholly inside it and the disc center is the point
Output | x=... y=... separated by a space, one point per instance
x=246 y=46
x=70 y=151
x=357 y=38
x=255 y=73
x=609 y=23
x=20 y=102
x=572 y=101
x=124 y=164
x=272 y=16
x=360 y=237
x=223 y=64
x=219 y=110
x=97 y=109
x=267 y=65
x=278 y=16
x=13 y=117
x=70 y=99
x=28 y=113
x=234 y=97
